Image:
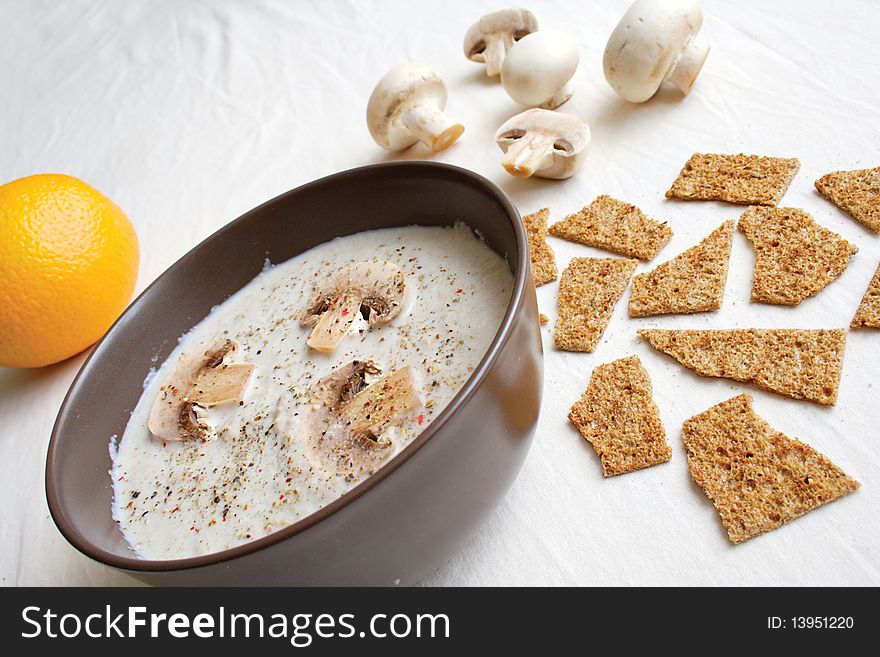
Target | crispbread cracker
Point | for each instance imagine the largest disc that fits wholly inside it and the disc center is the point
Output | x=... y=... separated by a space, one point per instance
x=618 y=417
x=692 y=282
x=795 y=258
x=797 y=363
x=757 y=478
x=543 y=262
x=588 y=290
x=614 y=226
x=868 y=313
x=742 y=179
x=855 y=192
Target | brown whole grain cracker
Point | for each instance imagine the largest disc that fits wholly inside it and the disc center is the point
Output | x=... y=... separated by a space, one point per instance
x=795 y=258
x=757 y=478
x=868 y=314
x=692 y=282
x=618 y=417
x=541 y=255
x=741 y=179
x=588 y=290
x=797 y=363
x=855 y=192
x=614 y=226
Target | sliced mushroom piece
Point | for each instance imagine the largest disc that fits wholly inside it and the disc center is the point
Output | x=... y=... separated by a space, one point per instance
x=538 y=69
x=349 y=437
x=655 y=41
x=489 y=39
x=198 y=381
x=368 y=291
x=543 y=143
x=407 y=106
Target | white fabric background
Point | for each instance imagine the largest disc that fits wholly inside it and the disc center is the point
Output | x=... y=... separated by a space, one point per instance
x=187 y=114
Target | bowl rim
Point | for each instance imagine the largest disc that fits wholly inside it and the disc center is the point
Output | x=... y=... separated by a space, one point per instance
x=134 y=564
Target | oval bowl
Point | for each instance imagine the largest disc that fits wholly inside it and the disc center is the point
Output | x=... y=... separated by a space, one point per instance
x=412 y=514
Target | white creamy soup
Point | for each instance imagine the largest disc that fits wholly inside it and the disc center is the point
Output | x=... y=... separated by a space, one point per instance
x=302 y=384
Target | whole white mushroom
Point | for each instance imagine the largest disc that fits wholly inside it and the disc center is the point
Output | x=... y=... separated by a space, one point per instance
x=543 y=143
x=489 y=39
x=538 y=69
x=407 y=106
x=655 y=41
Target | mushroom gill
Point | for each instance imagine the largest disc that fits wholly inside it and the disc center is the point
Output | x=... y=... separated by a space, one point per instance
x=197 y=382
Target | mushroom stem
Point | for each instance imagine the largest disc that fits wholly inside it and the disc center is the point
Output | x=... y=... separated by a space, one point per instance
x=528 y=155
x=493 y=55
x=432 y=127
x=559 y=97
x=687 y=68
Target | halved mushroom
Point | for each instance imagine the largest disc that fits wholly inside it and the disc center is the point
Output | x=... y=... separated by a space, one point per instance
x=543 y=143
x=197 y=382
x=347 y=433
x=407 y=106
x=538 y=69
x=368 y=291
x=489 y=39
x=655 y=41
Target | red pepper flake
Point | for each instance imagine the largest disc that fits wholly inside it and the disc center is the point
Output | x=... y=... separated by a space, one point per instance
x=421 y=419
x=344 y=311
x=175 y=509
x=281 y=497
x=258 y=418
x=459 y=291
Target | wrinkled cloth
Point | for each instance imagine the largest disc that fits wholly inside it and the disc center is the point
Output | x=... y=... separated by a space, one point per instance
x=187 y=114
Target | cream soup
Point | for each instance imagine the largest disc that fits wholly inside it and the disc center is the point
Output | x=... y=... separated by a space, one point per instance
x=265 y=448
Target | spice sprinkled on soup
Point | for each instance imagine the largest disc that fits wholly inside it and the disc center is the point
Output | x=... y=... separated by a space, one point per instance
x=302 y=384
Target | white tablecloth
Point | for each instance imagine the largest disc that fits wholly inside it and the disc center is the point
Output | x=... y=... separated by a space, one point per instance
x=187 y=114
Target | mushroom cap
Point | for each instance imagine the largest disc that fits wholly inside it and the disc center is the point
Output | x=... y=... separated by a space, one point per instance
x=375 y=291
x=538 y=66
x=646 y=43
x=514 y=22
x=567 y=135
x=400 y=89
x=198 y=380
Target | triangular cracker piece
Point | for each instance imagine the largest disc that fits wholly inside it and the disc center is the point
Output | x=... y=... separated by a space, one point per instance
x=855 y=192
x=588 y=290
x=757 y=478
x=541 y=255
x=741 y=179
x=614 y=226
x=692 y=282
x=618 y=417
x=868 y=313
x=797 y=363
x=795 y=258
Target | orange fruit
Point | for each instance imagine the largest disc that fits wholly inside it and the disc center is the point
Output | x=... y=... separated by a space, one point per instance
x=68 y=265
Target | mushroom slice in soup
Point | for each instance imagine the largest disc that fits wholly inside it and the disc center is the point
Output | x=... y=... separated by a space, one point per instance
x=367 y=291
x=347 y=428
x=197 y=382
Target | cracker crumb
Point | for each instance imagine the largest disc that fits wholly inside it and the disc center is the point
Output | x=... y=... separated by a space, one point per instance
x=798 y=363
x=757 y=478
x=868 y=314
x=855 y=192
x=618 y=417
x=741 y=179
x=541 y=255
x=614 y=226
x=692 y=282
x=795 y=258
x=588 y=291
x=543 y=319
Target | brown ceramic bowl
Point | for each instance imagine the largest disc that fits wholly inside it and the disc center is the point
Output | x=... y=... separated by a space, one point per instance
x=398 y=524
